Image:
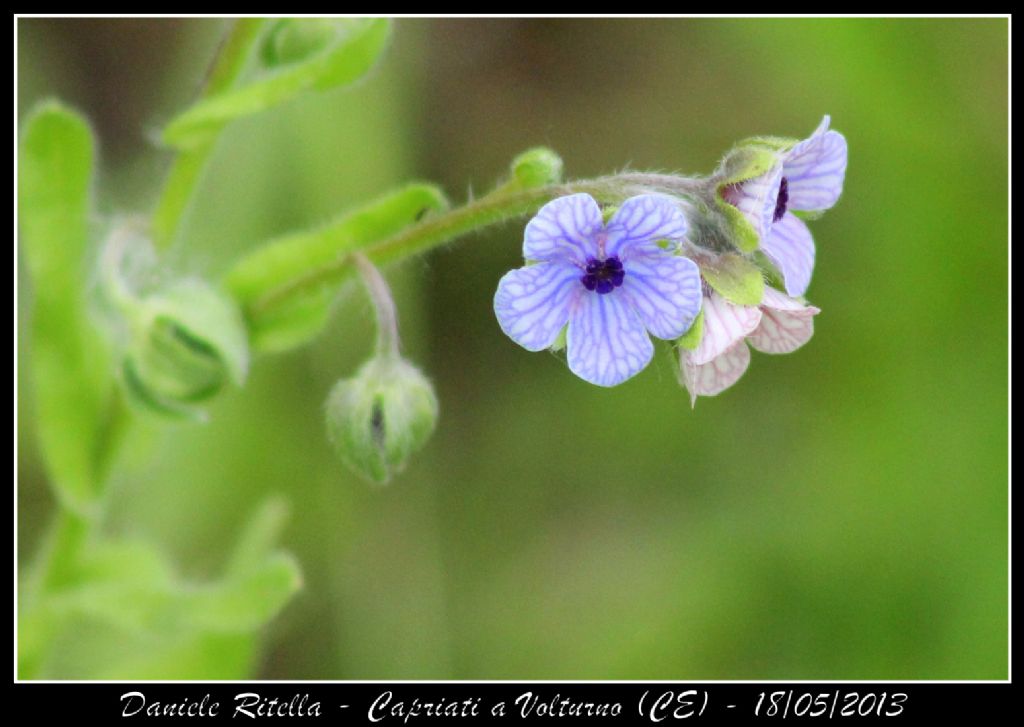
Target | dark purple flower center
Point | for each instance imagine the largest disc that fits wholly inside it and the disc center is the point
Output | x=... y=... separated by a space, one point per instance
x=781 y=201
x=603 y=275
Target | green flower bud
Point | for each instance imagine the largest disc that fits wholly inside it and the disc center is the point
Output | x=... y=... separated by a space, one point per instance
x=186 y=342
x=290 y=40
x=380 y=417
x=536 y=168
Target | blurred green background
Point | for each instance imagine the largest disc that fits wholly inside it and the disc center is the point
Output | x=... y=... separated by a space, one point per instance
x=840 y=513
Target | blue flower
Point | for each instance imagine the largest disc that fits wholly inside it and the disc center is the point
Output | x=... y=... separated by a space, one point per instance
x=806 y=177
x=611 y=284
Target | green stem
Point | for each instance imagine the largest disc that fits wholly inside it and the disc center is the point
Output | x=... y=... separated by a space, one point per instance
x=56 y=560
x=503 y=204
x=55 y=565
x=187 y=169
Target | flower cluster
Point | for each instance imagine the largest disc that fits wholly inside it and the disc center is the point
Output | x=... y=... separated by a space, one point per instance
x=604 y=289
x=805 y=177
x=780 y=324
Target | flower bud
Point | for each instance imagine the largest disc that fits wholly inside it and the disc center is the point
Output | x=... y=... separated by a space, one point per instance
x=744 y=162
x=381 y=416
x=295 y=39
x=536 y=168
x=186 y=342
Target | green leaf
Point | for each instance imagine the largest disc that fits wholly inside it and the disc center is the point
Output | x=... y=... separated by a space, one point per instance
x=201 y=656
x=276 y=268
x=354 y=48
x=245 y=602
x=70 y=363
x=128 y=591
x=128 y=584
x=259 y=537
x=734 y=277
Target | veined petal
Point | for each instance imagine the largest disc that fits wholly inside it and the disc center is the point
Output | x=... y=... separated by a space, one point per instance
x=664 y=290
x=564 y=229
x=532 y=303
x=786 y=324
x=756 y=198
x=606 y=341
x=791 y=248
x=640 y=222
x=724 y=324
x=778 y=300
x=815 y=169
x=715 y=376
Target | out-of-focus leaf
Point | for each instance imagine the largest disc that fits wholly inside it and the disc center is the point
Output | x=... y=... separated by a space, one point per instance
x=93 y=649
x=244 y=602
x=128 y=593
x=127 y=583
x=355 y=45
x=70 y=365
x=200 y=656
x=275 y=268
x=259 y=537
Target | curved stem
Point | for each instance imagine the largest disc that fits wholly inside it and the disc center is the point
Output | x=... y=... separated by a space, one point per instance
x=384 y=305
x=501 y=205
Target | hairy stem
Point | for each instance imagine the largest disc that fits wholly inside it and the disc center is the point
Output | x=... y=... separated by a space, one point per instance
x=501 y=205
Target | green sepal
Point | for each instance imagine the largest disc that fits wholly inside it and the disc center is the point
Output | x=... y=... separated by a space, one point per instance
x=734 y=277
x=743 y=162
x=772 y=276
x=208 y=319
x=775 y=144
x=186 y=342
x=691 y=339
x=290 y=40
x=143 y=398
x=807 y=215
x=560 y=339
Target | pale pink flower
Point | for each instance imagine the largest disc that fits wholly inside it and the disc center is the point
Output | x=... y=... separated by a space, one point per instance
x=780 y=324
